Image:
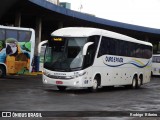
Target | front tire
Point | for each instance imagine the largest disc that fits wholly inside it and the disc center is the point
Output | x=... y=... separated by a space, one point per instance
x=61 y=88
x=94 y=88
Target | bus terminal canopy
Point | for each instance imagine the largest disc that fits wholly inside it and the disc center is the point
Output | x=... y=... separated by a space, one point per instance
x=54 y=17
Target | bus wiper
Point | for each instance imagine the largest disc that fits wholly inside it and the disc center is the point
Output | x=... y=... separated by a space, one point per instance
x=77 y=68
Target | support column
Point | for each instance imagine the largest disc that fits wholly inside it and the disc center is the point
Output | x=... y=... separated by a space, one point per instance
x=18 y=19
x=38 y=32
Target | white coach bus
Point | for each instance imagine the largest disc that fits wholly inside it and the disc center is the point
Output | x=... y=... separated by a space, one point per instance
x=92 y=58
x=156 y=64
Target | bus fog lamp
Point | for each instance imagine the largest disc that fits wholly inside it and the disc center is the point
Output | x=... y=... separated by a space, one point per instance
x=77 y=82
x=77 y=74
x=45 y=80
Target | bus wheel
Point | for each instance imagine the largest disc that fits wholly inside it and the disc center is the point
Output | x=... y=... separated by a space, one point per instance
x=2 y=71
x=134 y=83
x=61 y=88
x=138 y=83
x=151 y=73
x=95 y=86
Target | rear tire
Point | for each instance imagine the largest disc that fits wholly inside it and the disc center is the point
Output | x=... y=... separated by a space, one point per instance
x=151 y=73
x=61 y=88
x=140 y=81
x=134 y=83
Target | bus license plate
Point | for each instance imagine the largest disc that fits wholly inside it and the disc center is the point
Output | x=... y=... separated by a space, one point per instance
x=59 y=82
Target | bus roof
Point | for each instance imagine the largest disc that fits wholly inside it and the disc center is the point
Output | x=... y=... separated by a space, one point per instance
x=86 y=31
x=15 y=28
x=156 y=55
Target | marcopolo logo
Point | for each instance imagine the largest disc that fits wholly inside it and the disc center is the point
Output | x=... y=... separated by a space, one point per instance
x=114 y=59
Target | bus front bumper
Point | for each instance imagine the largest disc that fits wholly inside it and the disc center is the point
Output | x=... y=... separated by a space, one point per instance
x=76 y=82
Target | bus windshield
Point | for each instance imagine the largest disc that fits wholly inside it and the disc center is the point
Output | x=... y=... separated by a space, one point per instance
x=64 y=53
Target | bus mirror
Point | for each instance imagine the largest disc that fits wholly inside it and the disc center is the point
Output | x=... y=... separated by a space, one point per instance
x=86 y=47
x=40 y=45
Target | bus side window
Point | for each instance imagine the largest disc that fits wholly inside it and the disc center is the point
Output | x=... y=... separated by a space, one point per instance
x=24 y=36
x=90 y=55
x=91 y=52
x=158 y=61
x=11 y=34
x=2 y=34
x=108 y=46
x=2 y=39
x=104 y=47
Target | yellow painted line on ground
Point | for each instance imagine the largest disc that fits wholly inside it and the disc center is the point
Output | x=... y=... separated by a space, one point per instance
x=34 y=73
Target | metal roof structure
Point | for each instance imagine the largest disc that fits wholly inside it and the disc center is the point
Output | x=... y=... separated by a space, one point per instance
x=86 y=17
x=51 y=17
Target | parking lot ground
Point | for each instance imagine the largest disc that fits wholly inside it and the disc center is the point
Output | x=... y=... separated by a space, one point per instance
x=26 y=93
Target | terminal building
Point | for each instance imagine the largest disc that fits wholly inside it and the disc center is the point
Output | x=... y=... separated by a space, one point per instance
x=45 y=16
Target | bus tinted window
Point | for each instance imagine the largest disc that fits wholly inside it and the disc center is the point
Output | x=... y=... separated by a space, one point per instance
x=2 y=34
x=24 y=36
x=122 y=48
x=11 y=34
x=156 y=59
x=113 y=47
x=117 y=47
x=132 y=50
x=104 y=47
x=138 y=50
x=91 y=52
x=108 y=46
x=148 y=51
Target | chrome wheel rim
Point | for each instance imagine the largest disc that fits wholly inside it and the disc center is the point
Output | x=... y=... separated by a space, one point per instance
x=134 y=83
x=95 y=84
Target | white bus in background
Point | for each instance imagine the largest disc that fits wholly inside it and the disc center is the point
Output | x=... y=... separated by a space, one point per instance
x=92 y=58
x=156 y=64
x=16 y=50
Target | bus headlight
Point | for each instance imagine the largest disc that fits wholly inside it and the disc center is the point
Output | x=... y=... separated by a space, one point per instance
x=78 y=74
x=45 y=73
x=45 y=81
